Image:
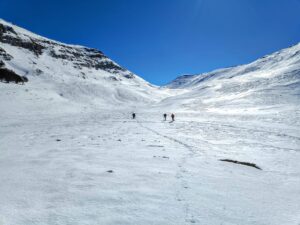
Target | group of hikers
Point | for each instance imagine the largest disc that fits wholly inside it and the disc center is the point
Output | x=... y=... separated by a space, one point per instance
x=165 y=116
x=172 y=116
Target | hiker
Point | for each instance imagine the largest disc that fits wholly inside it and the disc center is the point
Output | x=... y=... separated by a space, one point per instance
x=165 y=116
x=133 y=115
x=173 y=117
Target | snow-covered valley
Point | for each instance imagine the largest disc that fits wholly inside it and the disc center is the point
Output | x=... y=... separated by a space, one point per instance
x=56 y=170
x=71 y=154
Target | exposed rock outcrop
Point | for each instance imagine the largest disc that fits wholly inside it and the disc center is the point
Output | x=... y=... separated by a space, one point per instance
x=8 y=76
x=79 y=56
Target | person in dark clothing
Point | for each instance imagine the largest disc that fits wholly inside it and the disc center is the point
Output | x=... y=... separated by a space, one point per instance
x=133 y=115
x=165 y=116
x=173 y=117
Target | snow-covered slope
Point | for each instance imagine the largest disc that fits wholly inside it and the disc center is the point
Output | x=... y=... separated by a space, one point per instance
x=71 y=154
x=61 y=74
x=270 y=82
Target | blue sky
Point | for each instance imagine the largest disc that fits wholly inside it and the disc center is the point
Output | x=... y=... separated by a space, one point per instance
x=162 y=39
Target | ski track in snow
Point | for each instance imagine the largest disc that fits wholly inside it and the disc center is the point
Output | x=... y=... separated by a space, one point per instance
x=182 y=172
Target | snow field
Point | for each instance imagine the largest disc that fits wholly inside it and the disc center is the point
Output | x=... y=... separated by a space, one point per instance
x=58 y=171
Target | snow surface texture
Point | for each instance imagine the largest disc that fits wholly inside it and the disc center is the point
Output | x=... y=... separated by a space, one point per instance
x=71 y=154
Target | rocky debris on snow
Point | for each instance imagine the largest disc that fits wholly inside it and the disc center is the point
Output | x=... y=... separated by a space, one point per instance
x=164 y=157
x=5 y=55
x=129 y=76
x=38 y=72
x=155 y=146
x=8 y=76
x=5 y=29
x=242 y=163
x=113 y=78
x=9 y=36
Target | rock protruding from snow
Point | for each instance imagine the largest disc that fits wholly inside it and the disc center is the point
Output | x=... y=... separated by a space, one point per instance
x=79 y=56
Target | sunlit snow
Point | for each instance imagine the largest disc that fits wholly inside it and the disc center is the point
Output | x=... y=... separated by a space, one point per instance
x=71 y=154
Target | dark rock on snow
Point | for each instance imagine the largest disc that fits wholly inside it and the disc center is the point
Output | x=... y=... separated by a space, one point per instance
x=7 y=76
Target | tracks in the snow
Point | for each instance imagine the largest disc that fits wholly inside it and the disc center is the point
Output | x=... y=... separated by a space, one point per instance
x=189 y=147
x=181 y=174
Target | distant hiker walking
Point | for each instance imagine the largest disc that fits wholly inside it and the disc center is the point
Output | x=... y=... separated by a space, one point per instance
x=133 y=115
x=173 y=117
x=165 y=116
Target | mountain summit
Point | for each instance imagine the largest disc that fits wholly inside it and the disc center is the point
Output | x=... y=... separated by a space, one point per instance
x=69 y=72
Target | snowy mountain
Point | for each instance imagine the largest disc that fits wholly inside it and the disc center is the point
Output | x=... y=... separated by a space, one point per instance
x=71 y=154
x=58 y=72
x=272 y=81
x=67 y=74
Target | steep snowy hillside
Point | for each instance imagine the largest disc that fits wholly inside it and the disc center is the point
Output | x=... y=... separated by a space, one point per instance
x=270 y=82
x=61 y=74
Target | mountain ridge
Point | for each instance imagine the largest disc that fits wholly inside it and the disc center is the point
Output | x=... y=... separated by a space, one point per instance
x=37 y=44
x=72 y=72
x=182 y=79
x=86 y=76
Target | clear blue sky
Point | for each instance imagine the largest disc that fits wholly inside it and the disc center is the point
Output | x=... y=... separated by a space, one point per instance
x=161 y=39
